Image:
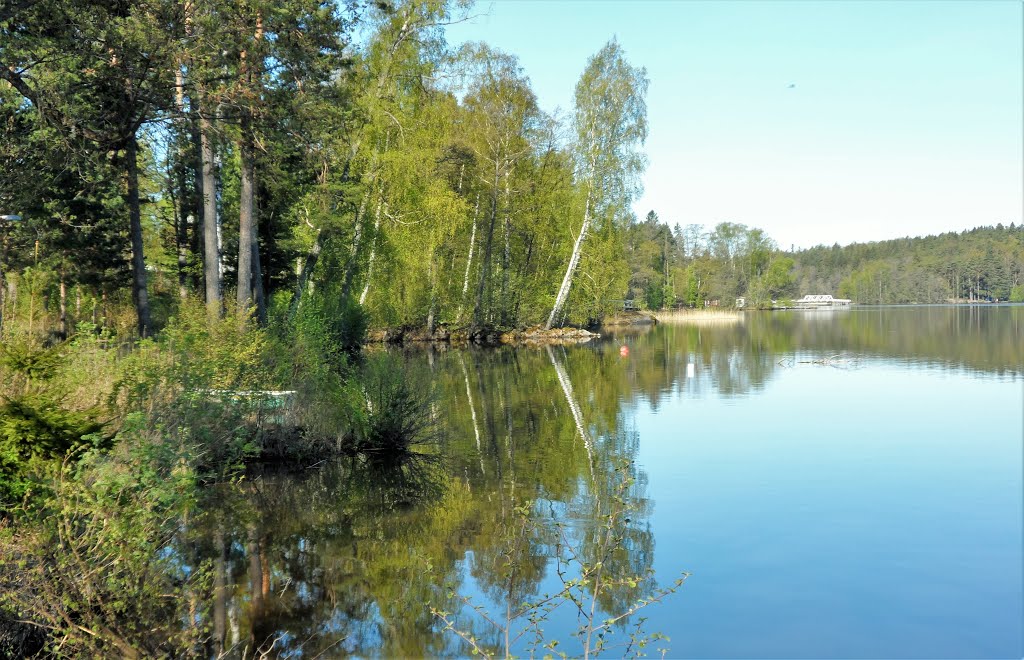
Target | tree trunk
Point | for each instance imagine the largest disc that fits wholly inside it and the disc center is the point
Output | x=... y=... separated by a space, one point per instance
x=63 y=306
x=478 y=308
x=246 y=218
x=3 y=283
x=373 y=252
x=469 y=259
x=433 y=299
x=350 y=268
x=304 y=274
x=563 y=291
x=139 y=293
x=181 y=229
x=506 y=256
x=211 y=257
x=248 y=234
x=259 y=296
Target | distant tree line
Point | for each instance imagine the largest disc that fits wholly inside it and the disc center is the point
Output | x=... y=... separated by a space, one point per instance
x=986 y=263
x=693 y=267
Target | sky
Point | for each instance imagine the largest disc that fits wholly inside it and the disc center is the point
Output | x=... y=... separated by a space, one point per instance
x=818 y=122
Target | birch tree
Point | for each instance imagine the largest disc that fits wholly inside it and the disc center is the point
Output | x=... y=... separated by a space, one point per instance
x=502 y=110
x=610 y=125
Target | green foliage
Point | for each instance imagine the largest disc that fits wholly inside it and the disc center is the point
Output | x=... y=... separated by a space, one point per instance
x=195 y=380
x=604 y=276
x=349 y=322
x=36 y=425
x=1017 y=293
x=30 y=362
x=773 y=283
x=92 y=566
x=979 y=264
x=397 y=414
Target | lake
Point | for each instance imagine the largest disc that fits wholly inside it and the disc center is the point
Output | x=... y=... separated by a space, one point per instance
x=837 y=484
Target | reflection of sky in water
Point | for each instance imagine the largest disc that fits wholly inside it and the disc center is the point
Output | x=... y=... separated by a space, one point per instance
x=868 y=512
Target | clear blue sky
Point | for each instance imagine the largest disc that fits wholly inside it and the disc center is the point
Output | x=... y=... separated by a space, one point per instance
x=905 y=118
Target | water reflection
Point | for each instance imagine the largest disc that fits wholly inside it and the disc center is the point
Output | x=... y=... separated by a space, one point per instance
x=348 y=557
x=738 y=359
x=335 y=559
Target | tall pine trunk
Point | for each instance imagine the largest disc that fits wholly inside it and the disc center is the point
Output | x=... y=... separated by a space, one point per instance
x=139 y=293
x=246 y=218
x=259 y=297
x=248 y=237
x=184 y=207
x=211 y=258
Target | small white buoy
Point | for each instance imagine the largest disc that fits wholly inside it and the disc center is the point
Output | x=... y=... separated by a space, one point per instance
x=691 y=368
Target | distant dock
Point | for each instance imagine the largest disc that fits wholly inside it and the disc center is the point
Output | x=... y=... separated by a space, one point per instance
x=819 y=301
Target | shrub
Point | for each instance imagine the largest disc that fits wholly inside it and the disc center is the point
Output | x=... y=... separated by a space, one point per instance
x=397 y=411
x=94 y=565
x=194 y=381
x=36 y=425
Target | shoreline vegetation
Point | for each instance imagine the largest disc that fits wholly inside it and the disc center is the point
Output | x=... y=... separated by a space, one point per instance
x=698 y=316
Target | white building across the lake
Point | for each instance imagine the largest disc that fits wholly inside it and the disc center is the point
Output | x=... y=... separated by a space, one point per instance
x=822 y=300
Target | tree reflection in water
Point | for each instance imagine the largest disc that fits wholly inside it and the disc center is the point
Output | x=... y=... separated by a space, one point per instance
x=348 y=558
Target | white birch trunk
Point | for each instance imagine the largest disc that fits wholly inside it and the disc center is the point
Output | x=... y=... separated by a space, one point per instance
x=469 y=260
x=563 y=291
x=506 y=257
x=373 y=253
x=472 y=412
x=354 y=250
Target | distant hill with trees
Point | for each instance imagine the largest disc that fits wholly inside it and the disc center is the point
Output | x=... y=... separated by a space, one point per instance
x=692 y=266
x=985 y=263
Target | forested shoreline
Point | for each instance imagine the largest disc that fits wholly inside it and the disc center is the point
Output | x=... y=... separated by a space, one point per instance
x=366 y=163
x=695 y=266
x=277 y=153
x=204 y=207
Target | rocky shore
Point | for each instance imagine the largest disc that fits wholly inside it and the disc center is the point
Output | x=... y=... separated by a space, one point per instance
x=486 y=336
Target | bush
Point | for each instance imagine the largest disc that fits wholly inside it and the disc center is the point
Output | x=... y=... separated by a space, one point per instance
x=37 y=426
x=397 y=411
x=94 y=566
x=195 y=381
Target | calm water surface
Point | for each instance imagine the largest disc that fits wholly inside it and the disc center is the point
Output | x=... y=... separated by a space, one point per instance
x=839 y=484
